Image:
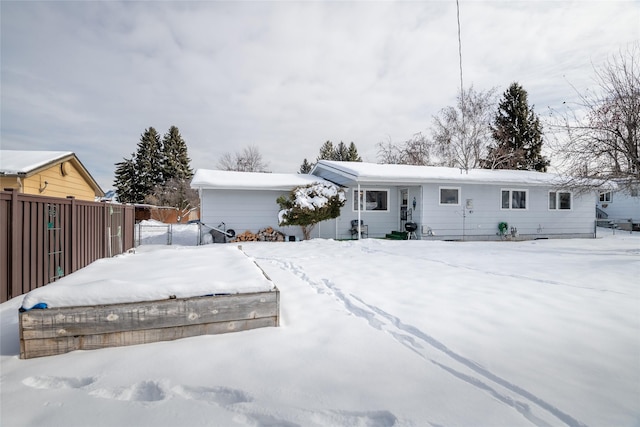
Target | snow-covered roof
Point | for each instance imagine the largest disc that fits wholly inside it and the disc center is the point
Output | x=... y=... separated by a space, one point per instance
x=25 y=163
x=349 y=173
x=16 y=162
x=231 y=180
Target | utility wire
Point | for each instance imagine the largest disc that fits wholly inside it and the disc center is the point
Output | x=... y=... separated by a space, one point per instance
x=459 y=47
x=462 y=105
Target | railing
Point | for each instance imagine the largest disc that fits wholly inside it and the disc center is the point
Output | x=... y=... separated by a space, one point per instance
x=157 y=233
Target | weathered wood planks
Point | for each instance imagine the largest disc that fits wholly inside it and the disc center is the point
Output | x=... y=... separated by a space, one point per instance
x=60 y=330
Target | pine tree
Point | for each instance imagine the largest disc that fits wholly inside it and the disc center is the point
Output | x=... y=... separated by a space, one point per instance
x=306 y=167
x=517 y=133
x=157 y=167
x=352 y=154
x=175 y=160
x=341 y=153
x=326 y=151
x=125 y=181
x=149 y=163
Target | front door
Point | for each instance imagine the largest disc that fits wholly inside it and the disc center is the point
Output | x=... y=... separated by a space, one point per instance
x=405 y=211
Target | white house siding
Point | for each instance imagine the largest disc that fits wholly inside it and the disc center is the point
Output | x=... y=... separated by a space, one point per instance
x=378 y=223
x=480 y=218
x=243 y=210
x=623 y=206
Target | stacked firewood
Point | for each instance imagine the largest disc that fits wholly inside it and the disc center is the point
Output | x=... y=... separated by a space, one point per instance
x=268 y=234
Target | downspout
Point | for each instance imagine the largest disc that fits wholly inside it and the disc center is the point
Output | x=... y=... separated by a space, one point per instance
x=422 y=218
x=359 y=207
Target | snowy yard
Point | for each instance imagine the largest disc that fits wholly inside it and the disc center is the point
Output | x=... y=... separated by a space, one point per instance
x=373 y=333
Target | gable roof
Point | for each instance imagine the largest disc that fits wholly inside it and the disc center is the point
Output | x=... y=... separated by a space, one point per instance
x=351 y=173
x=18 y=162
x=24 y=163
x=232 y=180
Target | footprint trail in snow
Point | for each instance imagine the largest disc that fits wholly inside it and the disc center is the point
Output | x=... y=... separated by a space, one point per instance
x=436 y=352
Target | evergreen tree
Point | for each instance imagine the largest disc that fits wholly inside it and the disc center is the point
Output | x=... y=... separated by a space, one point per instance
x=149 y=162
x=326 y=151
x=341 y=153
x=352 y=154
x=517 y=133
x=175 y=160
x=305 y=167
x=125 y=181
x=152 y=166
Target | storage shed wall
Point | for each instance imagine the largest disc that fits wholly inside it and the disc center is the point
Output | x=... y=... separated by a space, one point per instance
x=243 y=210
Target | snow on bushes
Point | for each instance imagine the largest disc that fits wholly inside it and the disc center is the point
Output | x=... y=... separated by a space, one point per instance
x=310 y=204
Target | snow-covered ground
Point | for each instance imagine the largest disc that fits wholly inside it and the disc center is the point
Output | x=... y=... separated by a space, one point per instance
x=373 y=333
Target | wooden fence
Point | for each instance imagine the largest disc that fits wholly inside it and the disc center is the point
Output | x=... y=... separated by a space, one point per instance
x=44 y=238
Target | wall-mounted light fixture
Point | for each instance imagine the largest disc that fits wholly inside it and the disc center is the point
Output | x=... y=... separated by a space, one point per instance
x=44 y=187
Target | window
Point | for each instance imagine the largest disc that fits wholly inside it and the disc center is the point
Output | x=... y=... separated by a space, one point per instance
x=605 y=197
x=559 y=200
x=514 y=199
x=449 y=196
x=375 y=200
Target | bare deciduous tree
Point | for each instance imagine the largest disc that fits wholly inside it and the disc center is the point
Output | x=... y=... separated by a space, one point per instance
x=462 y=134
x=414 y=151
x=247 y=160
x=175 y=193
x=599 y=137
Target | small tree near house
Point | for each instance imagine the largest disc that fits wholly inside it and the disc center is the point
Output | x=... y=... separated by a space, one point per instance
x=310 y=204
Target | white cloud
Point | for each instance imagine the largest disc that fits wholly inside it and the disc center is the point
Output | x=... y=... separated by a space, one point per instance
x=284 y=76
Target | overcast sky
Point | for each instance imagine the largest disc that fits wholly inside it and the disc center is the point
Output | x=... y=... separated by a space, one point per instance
x=285 y=76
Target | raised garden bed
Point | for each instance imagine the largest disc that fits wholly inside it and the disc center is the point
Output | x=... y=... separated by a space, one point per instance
x=60 y=330
x=236 y=302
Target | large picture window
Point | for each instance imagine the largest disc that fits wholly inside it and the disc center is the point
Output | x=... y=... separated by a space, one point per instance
x=514 y=199
x=449 y=196
x=559 y=200
x=371 y=200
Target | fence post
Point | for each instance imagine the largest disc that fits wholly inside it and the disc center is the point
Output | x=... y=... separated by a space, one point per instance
x=15 y=288
x=107 y=243
x=73 y=231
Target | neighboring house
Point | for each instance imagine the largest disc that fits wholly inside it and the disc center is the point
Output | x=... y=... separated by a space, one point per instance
x=165 y=214
x=620 y=207
x=245 y=200
x=47 y=173
x=444 y=203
